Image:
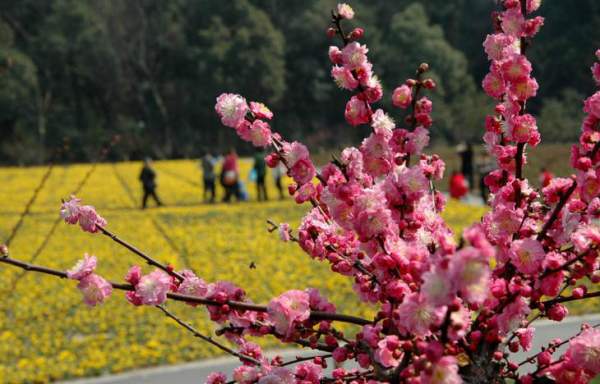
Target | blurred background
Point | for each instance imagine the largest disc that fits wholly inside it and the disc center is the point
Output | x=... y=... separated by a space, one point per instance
x=150 y=70
x=74 y=74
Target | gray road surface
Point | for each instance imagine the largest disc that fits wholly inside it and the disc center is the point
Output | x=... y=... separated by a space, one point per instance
x=195 y=373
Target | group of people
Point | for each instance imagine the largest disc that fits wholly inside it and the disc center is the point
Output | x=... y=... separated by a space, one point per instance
x=461 y=182
x=229 y=178
x=231 y=181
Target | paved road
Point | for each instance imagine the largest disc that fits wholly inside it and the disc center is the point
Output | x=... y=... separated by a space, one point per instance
x=195 y=373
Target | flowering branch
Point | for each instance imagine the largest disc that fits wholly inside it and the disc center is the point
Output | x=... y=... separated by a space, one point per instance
x=563 y=200
x=314 y=315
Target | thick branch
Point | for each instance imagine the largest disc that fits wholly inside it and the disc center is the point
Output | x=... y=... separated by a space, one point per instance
x=570 y=298
x=314 y=315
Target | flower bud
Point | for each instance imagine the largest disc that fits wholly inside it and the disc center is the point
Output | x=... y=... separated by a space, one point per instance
x=544 y=358
x=357 y=33
x=557 y=312
x=429 y=84
x=3 y=250
x=424 y=67
x=331 y=33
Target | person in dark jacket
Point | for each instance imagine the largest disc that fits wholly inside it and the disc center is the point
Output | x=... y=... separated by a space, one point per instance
x=260 y=169
x=466 y=162
x=147 y=177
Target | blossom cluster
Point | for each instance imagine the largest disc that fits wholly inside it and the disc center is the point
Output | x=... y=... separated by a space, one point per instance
x=375 y=217
x=72 y=212
x=447 y=311
x=95 y=288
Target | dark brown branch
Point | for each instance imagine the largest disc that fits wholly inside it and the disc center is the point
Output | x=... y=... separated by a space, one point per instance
x=531 y=359
x=141 y=254
x=208 y=339
x=299 y=359
x=314 y=315
x=565 y=265
x=566 y=299
x=556 y=211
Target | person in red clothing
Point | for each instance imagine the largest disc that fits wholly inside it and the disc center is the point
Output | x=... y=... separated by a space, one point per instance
x=545 y=177
x=230 y=175
x=458 y=185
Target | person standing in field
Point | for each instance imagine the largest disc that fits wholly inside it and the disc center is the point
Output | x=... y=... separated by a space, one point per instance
x=230 y=175
x=466 y=162
x=208 y=164
x=277 y=173
x=260 y=170
x=148 y=179
x=458 y=185
x=545 y=177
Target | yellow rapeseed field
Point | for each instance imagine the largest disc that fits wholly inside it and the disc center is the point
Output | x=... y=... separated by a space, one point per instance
x=46 y=333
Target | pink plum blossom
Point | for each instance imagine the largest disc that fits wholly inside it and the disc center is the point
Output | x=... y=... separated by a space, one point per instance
x=260 y=133
x=153 y=287
x=382 y=124
x=192 y=285
x=294 y=152
x=527 y=255
x=512 y=315
x=584 y=351
x=69 y=210
x=309 y=373
x=513 y=22
x=344 y=78
x=498 y=46
x=354 y=55
x=260 y=110
x=592 y=105
x=345 y=11
x=287 y=310
x=278 y=375
x=494 y=85
x=416 y=315
x=89 y=220
x=402 y=96
x=232 y=109
x=387 y=352
x=134 y=275
x=95 y=289
x=438 y=287
x=516 y=68
x=245 y=374
x=596 y=72
x=523 y=128
x=357 y=112
x=216 y=378
x=303 y=171
x=444 y=371
x=525 y=336
x=83 y=268
x=284 y=232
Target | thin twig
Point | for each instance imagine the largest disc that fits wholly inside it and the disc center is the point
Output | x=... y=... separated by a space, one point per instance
x=556 y=211
x=141 y=254
x=208 y=339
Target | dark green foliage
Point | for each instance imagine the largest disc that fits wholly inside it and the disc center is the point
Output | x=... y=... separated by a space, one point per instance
x=150 y=70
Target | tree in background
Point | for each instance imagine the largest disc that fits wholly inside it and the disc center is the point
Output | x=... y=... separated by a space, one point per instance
x=149 y=70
